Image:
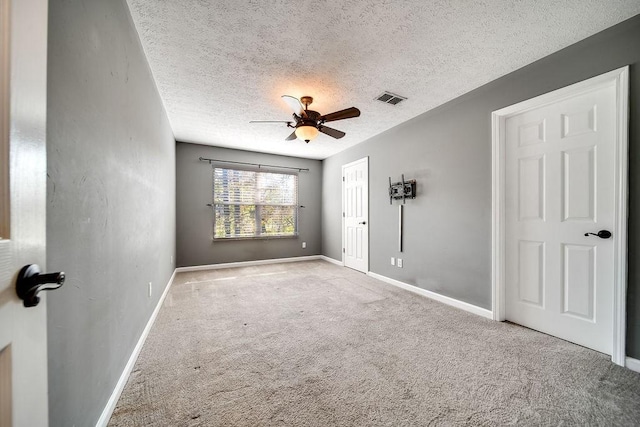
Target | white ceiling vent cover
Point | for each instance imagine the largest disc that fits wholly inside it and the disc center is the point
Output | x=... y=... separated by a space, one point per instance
x=390 y=98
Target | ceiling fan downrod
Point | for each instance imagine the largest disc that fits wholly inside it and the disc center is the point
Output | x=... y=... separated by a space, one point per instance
x=306 y=101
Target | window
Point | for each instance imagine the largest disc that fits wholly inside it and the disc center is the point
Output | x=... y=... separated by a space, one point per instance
x=251 y=204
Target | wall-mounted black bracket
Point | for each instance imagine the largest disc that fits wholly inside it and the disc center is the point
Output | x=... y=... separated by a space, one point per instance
x=402 y=190
x=30 y=282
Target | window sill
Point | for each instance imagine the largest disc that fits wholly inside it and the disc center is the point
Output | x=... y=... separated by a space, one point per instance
x=227 y=239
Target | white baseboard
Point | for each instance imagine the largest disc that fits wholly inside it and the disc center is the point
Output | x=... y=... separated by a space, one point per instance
x=122 y=381
x=633 y=364
x=331 y=260
x=248 y=263
x=435 y=296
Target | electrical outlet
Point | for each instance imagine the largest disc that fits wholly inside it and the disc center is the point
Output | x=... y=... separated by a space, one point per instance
x=150 y=288
x=171 y=260
x=399 y=262
x=304 y=245
x=393 y=261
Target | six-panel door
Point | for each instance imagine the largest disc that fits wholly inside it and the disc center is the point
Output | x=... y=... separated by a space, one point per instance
x=356 y=214
x=560 y=185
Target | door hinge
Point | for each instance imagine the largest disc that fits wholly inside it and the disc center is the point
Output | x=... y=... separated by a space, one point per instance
x=343 y=179
x=343 y=250
x=342 y=214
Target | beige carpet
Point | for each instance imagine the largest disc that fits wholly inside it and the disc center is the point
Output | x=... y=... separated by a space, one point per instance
x=313 y=344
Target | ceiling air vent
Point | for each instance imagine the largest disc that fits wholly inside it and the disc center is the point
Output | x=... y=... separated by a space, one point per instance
x=390 y=98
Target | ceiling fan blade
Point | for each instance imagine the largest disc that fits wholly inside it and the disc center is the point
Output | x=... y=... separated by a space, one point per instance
x=270 y=121
x=340 y=115
x=291 y=137
x=337 y=134
x=295 y=104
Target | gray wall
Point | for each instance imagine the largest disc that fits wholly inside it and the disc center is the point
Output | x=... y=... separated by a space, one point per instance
x=195 y=219
x=111 y=202
x=448 y=151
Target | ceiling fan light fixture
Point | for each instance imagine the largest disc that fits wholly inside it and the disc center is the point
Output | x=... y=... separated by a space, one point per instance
x=306 y=132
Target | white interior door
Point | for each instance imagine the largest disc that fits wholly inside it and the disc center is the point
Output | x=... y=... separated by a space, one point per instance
x=355 y=212
x=560 y=183
x=23 y=332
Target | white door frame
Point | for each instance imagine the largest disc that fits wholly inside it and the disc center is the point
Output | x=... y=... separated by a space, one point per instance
x=366 y=160
x=620 y=79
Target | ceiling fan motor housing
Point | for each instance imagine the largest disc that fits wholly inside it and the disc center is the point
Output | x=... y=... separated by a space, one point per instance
x=312 y=115
x=307 y=122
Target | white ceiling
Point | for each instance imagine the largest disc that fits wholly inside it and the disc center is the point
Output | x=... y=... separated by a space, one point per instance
x=220 y=63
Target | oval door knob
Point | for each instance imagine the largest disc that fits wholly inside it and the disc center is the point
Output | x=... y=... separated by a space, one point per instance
x=603 y=234
x=30 y=282
x=363 y=222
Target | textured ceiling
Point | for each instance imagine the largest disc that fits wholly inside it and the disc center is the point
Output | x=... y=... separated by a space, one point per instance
x=220 y=64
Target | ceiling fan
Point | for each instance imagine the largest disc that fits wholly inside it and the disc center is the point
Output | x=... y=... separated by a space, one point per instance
x=308 y=123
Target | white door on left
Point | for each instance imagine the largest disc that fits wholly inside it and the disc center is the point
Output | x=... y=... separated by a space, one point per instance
x=23 y=108
x=355 y=213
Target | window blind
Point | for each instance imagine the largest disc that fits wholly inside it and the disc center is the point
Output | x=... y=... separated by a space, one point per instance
x=254 y=204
